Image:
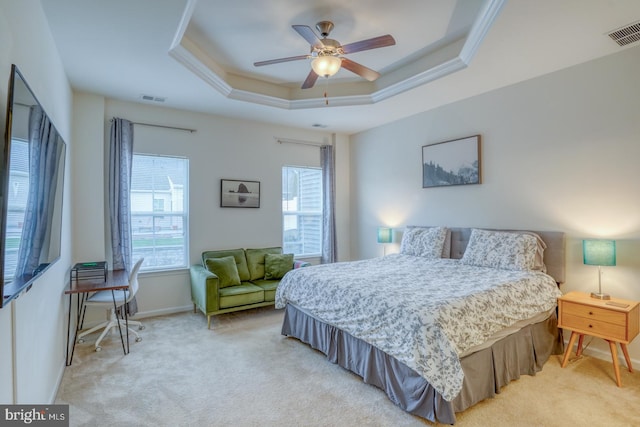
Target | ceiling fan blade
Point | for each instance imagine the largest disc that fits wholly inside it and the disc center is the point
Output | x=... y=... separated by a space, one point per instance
x=308 y=34
x=277 y=61
x=373 y=43
x=310 y=80
x=360 y=70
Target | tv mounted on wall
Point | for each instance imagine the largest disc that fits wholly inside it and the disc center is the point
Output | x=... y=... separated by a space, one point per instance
x=31 y=187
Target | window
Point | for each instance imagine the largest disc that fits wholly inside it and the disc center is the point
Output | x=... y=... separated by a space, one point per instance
x=302 y=210
x=159 y=215
x=16 y=204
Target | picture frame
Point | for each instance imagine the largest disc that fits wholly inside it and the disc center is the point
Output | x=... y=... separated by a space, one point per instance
x=453 y=162
x=236 y=193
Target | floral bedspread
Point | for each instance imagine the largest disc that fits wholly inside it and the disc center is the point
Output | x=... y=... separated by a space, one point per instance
x=422 y=312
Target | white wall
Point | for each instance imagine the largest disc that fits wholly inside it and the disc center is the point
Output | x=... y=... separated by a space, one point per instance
x=32 y=327
x=220 y=148
x=559 y=152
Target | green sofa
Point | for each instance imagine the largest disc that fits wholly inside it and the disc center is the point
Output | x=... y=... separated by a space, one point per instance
x=238 y=279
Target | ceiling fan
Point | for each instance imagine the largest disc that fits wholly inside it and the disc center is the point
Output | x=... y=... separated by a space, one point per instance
x=327 y=53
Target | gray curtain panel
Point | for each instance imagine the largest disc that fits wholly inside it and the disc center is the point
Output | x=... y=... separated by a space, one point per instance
x=44 y=148
x=329 y=247
x=120 y=163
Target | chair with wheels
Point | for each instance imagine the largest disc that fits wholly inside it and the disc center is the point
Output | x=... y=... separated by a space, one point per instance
x=104 y=299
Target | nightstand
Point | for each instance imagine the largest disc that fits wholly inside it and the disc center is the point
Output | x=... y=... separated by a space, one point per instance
x=615 y=320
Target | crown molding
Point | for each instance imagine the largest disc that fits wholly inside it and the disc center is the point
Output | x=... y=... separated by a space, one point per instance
x=186 y=52
x=480 y=28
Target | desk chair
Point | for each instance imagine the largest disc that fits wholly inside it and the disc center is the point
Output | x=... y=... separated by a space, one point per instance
x=104 y=299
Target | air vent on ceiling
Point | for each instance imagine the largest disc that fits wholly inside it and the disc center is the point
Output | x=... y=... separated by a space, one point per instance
x=626 y=35
x=152 y=98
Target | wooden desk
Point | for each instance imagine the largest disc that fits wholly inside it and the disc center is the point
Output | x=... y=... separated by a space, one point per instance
x=82 y=288
x=615 y=320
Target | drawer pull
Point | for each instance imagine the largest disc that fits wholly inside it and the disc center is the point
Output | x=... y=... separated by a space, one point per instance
x=591 y=326
x=591 y=313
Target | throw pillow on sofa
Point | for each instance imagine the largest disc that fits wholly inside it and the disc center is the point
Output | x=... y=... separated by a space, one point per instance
x=255 y=261
x=226 y=270
x=277 y=265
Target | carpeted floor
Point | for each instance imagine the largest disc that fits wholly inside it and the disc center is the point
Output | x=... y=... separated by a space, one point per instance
x=244 y=373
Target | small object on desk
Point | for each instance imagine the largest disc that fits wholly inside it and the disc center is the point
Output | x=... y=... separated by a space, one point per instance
x=89 y=270
x=617 y=321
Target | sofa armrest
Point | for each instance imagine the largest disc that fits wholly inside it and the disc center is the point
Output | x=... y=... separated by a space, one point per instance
x=300 y=264
x=204 y=288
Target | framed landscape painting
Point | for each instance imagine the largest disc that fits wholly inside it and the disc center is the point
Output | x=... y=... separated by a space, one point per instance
x=455 y=162
x=239 y=194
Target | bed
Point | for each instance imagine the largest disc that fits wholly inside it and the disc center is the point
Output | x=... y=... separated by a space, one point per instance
x=437 y=329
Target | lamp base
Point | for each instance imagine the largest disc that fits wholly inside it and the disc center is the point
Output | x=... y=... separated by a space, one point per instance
x=599 y=295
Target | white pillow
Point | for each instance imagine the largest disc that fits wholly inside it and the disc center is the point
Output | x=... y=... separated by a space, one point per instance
x=427 y=242
x=501 y=249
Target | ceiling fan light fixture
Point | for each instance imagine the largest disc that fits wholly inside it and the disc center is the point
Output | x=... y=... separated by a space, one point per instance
x=326 y=65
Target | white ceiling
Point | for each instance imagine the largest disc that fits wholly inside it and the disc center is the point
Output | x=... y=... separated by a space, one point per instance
x=121 y=49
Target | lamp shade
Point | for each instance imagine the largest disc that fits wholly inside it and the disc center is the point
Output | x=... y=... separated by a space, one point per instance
x=385 y=235
x=326 y=66
x=599 y=252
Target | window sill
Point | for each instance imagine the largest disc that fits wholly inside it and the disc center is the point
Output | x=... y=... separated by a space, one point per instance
x=164 y=272
x=311 y=259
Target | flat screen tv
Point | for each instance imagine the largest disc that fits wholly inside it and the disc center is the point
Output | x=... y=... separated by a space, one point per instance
x=31 y=187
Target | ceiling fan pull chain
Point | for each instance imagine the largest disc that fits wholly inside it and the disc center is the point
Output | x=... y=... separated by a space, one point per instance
x=326 y=90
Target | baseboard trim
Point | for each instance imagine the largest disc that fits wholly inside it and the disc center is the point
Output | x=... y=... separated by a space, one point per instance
x=146 y=314
x=604 y=354
x=63 y=366
x=163 y=311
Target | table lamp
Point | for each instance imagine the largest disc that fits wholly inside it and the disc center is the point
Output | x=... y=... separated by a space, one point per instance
x=600 y=253
x=385 y=235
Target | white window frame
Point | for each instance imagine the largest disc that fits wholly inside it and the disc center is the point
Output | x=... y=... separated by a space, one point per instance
x=153 y=213
x=302 y=212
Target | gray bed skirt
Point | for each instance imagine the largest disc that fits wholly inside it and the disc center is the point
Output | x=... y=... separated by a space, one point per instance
x=486 y=371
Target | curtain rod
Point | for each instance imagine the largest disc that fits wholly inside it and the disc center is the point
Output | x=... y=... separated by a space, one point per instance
x=298 y=141
x=162 y=126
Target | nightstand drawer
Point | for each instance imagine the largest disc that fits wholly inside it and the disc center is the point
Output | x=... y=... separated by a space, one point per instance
x=596 y=313
x=594 y=327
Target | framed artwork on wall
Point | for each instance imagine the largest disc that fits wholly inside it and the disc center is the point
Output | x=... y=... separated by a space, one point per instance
x=239 y=194
x=455 y=162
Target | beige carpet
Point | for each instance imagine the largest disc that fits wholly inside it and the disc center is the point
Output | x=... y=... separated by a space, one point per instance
x=244 y=373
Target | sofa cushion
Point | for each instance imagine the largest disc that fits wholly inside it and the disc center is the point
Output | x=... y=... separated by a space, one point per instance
x=243 y=294
x=255 y=261
x=276 y=266
x=269 y=287
x=238 y=254
x=226 y=270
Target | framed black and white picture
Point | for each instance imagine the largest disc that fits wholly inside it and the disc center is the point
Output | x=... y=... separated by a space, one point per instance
x=455 y=162
x=239 y=194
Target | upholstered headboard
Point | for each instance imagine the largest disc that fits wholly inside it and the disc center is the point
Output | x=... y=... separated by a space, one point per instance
x=554 y=254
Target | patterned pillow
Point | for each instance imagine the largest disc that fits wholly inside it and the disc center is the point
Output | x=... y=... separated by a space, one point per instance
x=427 y=242
x=500 y=249
x=538 y=264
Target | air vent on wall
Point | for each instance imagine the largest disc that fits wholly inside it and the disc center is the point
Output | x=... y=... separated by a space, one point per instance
x=152 y=98
x=626 y=35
